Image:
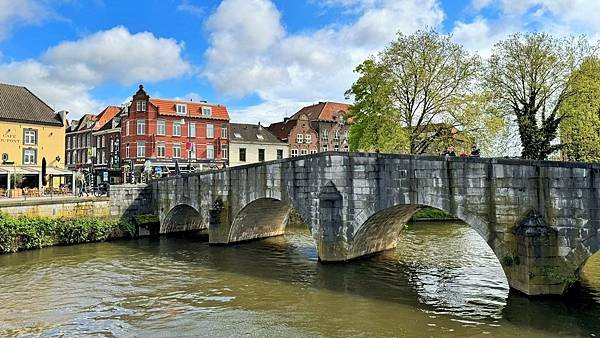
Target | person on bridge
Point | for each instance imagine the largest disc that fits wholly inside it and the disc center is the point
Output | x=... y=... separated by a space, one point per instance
x=475 y=152
x=81 y=180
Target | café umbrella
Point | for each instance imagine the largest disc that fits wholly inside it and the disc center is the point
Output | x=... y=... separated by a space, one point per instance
x=177 y=171
x=44 y=182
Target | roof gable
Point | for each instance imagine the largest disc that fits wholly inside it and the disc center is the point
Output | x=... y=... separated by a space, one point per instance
x=323 y=111
x=169 y=107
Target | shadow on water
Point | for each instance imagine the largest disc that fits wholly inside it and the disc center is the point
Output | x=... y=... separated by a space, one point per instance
x=438 y=286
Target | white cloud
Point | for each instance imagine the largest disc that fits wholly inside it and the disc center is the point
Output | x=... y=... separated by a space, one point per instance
x=65 y=75
x=21 y=12
x=251 y=52
x=186 y=6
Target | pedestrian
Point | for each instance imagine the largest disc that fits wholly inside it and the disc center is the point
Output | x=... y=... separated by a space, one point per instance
x=82 y=183
x=450 y=152
x=475 y=152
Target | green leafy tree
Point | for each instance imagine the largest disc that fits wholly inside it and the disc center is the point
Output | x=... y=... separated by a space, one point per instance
x=580 y=128
x=414 y=93
x=529 y=78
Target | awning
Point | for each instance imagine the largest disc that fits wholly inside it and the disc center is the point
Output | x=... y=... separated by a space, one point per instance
x=4 y=170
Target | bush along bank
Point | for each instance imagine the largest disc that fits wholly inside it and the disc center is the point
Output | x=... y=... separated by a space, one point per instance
x=24 y=232
x=432 y=214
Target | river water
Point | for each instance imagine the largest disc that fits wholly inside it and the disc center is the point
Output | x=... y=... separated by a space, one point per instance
x=443 y=280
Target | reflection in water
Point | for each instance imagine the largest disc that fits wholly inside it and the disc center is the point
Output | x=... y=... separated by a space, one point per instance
x=442 y=280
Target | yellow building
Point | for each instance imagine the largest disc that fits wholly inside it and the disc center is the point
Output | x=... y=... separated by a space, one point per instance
x=30 y=131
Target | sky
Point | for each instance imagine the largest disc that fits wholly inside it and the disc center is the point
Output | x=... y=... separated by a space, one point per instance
x=263 y=59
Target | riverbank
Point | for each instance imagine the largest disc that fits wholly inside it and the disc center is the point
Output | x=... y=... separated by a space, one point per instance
x=19 y=233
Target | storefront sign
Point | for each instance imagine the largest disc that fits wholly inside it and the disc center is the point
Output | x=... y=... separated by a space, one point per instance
x=9 y=138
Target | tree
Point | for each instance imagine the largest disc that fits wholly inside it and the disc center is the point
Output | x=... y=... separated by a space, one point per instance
x=580 y=128
x=419 y=88
x=529 y=77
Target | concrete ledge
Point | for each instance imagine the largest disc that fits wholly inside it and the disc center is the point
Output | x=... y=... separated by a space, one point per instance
x=48 y=201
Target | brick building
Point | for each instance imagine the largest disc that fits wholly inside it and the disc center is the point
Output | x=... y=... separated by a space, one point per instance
x=320 y=127
x=107 y=140
x=193 y=134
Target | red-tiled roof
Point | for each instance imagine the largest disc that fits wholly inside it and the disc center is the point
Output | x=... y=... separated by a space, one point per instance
x=168 y=107
x=106 y=115
x=282 y=129
x=324 y=111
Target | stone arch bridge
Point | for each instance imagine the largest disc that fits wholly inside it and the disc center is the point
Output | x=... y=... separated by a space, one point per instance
x=541 y=219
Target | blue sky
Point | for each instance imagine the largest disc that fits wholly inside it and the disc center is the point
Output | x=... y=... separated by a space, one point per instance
x=264 y=59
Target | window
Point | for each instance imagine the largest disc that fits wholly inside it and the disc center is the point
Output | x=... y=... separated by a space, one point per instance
x=224 y=131
x=210 y=151
x=176 y=150
x=336 y=136
x=127 y=150
x=300 y=138
x=324 y=135
x=29 y=156
x=141 y=127
x=176 y=128
x=181 y=109
x=192 y=151
x=324 y=147
x=313 y=151
x=207 y=111
x=336 y=147
x=279 y=154
x=160 y=149
x=260 y=137
x=237 y=135
x=192 y=130
x=261 y=155
x=30 y=136
x=141 y=149
x=140 y=105
x=224 y=151
x=88 y=142
x=210 y=131
x=294 y=152
x=308 y=138
x=160 y=127
x=242 y=154
x=127 y=128
x=98 y=145
x=304 y=152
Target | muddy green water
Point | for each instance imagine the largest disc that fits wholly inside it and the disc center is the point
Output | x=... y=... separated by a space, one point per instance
x=443 y=280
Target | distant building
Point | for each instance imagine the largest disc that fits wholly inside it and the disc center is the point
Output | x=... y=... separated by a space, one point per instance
x=319 y=127
x=250 y=143
x=107 y=140
x=193 y=134
x=85 y=147
x=29 y=131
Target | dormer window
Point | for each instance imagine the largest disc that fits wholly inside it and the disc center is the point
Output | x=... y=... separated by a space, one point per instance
x=260 y=137
x=237 y=135
x=207 y=111
x=141 y=105
x=181 y=109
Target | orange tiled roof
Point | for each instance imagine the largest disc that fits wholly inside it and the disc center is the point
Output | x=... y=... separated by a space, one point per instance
x=323 y=111
x=168 y=107
x=106 y=115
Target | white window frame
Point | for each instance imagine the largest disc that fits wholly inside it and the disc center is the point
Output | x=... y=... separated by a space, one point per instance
x=161 y=127
x=308 y=138
x=181 y=109
x=294 y=152
x=300 y=138
x=206 y=111
x=192 y=151
x=30 y=136
x=29 y=156
x=304 y=152
x=127 y=128
x=177 y=146
x=210 y=130
x=192 y=129
x=141 y=127
x=176 y=131
x=140 y=105
x=127 y=151
x=324 y=135
x=210 y=152
x=140 y=145
x=159 y=146
x=224 y=151
x=224 y=131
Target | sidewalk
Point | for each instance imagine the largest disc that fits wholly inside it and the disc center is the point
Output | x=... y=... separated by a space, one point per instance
x=47 y=200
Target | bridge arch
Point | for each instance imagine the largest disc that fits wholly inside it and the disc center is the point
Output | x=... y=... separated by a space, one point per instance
x=261 y=218
x=182 y=217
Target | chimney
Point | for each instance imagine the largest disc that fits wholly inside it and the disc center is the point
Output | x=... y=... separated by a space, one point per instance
x=285 y=119
x=63 y=116
x=259 y=126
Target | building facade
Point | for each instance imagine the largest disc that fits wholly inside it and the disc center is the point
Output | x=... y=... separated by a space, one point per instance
x=30 y=131
x=250 y=143
x=171 y=133
x=107 y=142
x=320 y=127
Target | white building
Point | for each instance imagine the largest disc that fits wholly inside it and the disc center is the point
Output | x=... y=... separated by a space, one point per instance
x=250 y=143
